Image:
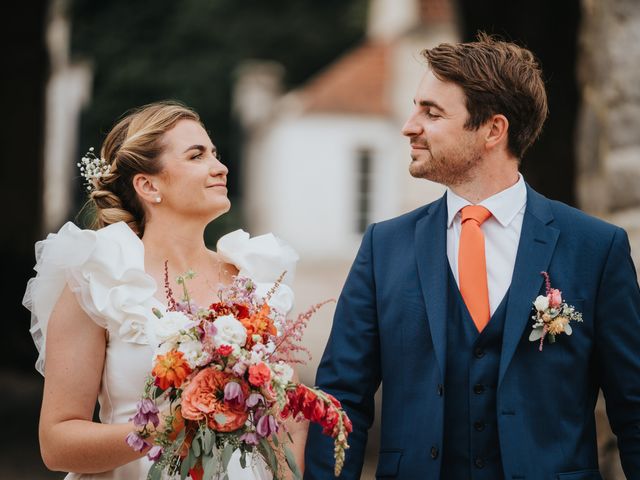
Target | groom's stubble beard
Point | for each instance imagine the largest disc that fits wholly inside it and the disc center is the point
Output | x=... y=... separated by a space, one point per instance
x=451 y=169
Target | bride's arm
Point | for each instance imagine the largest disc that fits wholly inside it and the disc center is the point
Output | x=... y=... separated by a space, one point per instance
x=298 y=432
x=69 y=440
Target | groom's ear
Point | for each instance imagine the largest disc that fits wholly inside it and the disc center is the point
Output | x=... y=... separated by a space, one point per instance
x=498 y=131
x=145 y=187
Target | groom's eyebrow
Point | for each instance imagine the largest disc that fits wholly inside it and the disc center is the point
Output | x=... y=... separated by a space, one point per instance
x=430 y=103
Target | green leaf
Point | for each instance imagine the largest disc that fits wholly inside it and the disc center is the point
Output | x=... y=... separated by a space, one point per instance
x=536 y=334
x=275 y=440
x=156 y=312
x=155 y=472
x=208 y=441
x=269 y=455
x=210 y=465
x=192 y=458
x=184 y=467
x=243 y=459
x=291 y=461
x=195 y=445
x=226 y=456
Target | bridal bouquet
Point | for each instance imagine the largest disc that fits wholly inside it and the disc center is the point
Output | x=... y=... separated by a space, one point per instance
x=222 y=378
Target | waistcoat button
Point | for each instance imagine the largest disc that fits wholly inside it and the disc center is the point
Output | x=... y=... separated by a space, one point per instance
x=478 y=462
x=479 y=426
x=478 y=388
x=434 y=452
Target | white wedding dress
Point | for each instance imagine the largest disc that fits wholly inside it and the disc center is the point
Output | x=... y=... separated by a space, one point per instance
x=105 y=270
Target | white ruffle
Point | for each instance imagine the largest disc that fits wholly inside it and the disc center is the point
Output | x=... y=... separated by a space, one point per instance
x=105 y=269
x=263 y=259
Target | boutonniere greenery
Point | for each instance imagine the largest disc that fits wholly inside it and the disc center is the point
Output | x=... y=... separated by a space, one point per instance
x=553 y=316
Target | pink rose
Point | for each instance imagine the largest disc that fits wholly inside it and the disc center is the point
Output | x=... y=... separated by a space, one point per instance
x=555 y=298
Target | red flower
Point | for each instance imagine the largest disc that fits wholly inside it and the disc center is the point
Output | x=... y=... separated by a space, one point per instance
x=334 y=400
x=225 y=350
x=330 y=421
x=242 y=311
x=259 y=374
x=347 y=423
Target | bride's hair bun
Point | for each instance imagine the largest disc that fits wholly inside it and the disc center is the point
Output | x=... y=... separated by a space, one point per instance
x=133 y=146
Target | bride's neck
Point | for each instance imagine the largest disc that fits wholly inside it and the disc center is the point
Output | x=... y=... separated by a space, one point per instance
x=181 y=244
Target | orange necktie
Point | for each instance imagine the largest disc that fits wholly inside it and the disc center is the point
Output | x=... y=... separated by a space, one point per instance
x=472 y=265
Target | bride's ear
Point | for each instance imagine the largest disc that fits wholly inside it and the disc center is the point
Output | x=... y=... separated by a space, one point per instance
x=146 y=188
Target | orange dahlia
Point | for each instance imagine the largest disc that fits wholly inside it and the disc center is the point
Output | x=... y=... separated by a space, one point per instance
x=204 y=398
x=259 y=324
x=170 y=370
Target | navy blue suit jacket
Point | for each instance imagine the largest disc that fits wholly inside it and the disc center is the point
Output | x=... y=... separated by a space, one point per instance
x=390 y=327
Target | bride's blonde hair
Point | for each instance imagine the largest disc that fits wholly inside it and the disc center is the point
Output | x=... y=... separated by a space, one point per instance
x=133 y=146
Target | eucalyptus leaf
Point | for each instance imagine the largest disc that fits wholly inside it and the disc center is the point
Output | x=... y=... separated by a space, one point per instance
x=567 y=329
x=291 y=461
x=184 y=467
x=552 y=338
x=536 y=334
x=155 y=472
x=195 y=446
x=275 y=440
x=209 y=465
x=270 y=456
x=226 y=456
x=208 y=440
x=243 y=459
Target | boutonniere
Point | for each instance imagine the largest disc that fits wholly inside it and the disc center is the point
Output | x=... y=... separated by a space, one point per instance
x=553 y=316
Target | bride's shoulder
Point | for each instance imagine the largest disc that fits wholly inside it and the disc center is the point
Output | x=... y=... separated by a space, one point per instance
x=72 y=246
x=263 y=258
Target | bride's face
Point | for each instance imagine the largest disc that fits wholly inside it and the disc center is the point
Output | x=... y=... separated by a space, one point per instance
x=193 y=181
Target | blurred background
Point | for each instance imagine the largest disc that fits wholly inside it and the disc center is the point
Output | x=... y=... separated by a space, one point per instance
x=305 y=100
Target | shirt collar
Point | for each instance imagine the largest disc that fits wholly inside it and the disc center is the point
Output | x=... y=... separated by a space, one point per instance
x=504 y=205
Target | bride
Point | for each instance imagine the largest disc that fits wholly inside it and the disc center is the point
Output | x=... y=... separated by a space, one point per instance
x=160 y=184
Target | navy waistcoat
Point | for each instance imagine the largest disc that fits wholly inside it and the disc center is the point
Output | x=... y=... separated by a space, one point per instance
x=471 y=449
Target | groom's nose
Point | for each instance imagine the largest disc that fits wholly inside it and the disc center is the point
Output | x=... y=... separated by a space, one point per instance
x=411 y=127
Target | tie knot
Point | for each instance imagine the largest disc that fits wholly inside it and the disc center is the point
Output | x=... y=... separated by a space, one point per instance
x=475 y=212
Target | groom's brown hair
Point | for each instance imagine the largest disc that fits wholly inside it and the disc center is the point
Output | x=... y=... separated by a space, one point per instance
x=497 y=77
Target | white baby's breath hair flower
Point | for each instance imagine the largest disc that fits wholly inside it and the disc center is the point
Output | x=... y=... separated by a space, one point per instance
x=92 y=167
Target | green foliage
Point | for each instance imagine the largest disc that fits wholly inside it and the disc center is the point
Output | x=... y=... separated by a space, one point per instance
x=188 y=50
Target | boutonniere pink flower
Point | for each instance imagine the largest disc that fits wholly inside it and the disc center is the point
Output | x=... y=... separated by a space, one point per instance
x=553 y=316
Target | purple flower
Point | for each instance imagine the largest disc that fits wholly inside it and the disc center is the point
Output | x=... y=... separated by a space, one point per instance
x=266 y=426
x=251 y=438
x=254 y=399
x=239 y=368
x=155 y=453
x=147 y=412
x=136 y=442
x=233 y=393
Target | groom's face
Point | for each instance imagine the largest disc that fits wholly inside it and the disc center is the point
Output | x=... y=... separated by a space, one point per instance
x=442 y=149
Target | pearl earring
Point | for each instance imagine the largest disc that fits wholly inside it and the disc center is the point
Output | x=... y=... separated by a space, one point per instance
x=158 y=199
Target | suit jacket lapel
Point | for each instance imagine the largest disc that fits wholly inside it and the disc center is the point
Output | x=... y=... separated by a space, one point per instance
x=431 y=258
x=537 y=244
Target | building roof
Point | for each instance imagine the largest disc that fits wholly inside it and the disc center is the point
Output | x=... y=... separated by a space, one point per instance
x=356 y=83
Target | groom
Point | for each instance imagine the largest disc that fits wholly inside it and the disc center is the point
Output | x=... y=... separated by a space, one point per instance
x=438 y=305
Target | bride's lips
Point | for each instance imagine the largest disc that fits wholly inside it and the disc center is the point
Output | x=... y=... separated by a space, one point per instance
x=217 y=185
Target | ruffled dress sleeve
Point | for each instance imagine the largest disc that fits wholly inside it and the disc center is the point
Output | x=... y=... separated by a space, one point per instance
x=263 y=259
x=104 y=269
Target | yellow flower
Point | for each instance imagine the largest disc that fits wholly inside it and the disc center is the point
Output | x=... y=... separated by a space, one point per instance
x=556 y=326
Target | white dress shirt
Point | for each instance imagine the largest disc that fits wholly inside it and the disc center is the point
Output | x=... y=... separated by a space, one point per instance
x=501 y=236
